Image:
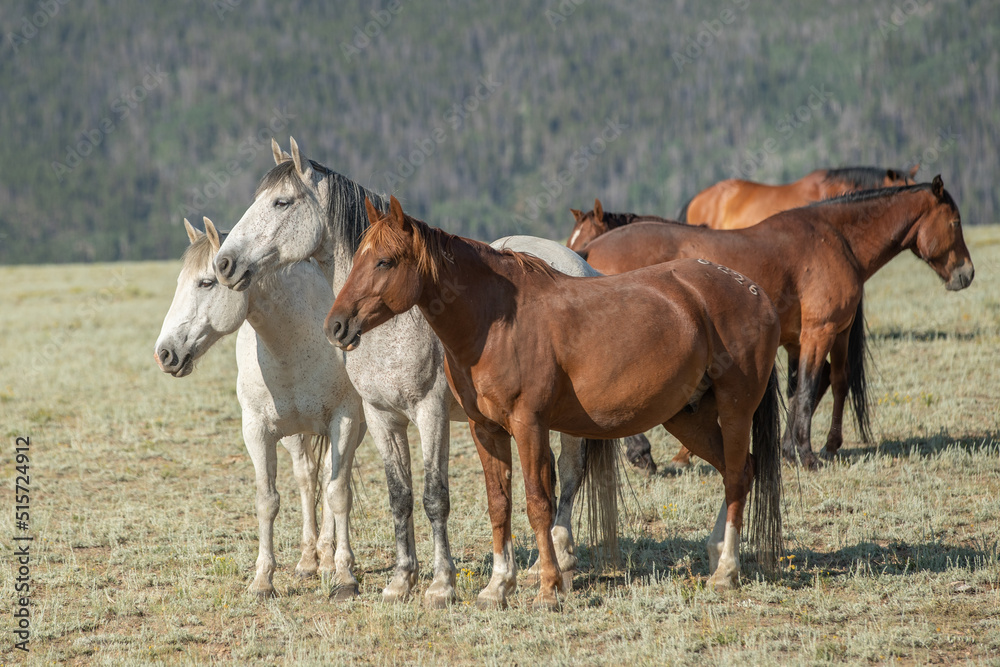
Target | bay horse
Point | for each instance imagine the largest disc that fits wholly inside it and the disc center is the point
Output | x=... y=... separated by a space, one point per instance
x=813 y=262
x=687 y=344
x=736 y=203
x=303 y=211
x=292 y=386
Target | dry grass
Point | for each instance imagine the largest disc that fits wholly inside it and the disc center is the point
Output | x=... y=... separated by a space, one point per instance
x=142 y=508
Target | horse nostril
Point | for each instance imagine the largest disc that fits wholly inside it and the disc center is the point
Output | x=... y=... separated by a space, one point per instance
x=164 y=355
x=224 y=267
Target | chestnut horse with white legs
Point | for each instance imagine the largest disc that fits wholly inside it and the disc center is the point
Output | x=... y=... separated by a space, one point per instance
x=687 y=344
x=813 y=263
x=736 y=204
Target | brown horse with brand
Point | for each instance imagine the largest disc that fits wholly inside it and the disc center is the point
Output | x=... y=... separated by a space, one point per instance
x=685 y=344
x=735 y=203
x=813 y=263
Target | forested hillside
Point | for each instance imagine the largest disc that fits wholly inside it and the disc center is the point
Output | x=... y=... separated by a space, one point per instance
x=117 y=119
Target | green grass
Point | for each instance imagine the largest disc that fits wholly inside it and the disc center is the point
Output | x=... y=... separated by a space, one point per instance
x=142 y=510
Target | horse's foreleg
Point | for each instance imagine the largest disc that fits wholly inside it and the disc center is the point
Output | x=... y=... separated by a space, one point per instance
x=261 y=444
x=346 y=428
x=389 y=433
x=494 y=453
x=434 y=438
x=536 y=465
x=838 y=381
x=304 y=465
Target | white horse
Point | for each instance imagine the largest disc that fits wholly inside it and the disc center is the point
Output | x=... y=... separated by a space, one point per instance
x=301 y=211
x=291 y=384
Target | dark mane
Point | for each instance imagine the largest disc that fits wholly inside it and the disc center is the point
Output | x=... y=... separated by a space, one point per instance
x=880 y=193
x=432 y=246
x=346 y=208
x=864 y=178
x=616 y=220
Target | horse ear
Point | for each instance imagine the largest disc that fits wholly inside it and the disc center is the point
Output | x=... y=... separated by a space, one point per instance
x=192 y=233
x=396 y=214
x=892 y=174
x=578 y=215
x=937 y=186
x=276 y=151
x=373 y=214
x=598 y=211
x=914 y=169
x=213 y=234
x=300 y=165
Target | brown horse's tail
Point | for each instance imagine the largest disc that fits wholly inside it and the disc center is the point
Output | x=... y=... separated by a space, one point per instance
x=683 y=215
x=601 y=480
x=765 y=502
x=857 y=381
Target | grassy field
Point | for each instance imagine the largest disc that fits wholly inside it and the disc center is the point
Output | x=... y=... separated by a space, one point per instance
x=145 y=537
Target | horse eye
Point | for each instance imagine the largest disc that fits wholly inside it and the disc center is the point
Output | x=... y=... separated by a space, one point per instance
x=383 y=264
x=206 y=283
x=281 y=203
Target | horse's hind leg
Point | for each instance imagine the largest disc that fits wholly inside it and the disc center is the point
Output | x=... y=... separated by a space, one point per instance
x=435 y=430
x=261 y=444
x=304 y=467
x=346 y=428
x=388 y=430
x=727 y=449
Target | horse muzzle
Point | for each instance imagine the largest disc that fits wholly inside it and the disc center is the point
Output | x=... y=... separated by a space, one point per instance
x=342 y=333
x=173 y=363
x=227 y=272
x=961 y=277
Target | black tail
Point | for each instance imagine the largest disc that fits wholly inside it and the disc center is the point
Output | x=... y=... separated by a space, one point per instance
x=683 y=215
x=601 y=477
x=765 y=501
x=857 y=381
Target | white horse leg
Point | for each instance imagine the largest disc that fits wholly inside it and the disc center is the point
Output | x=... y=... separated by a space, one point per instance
x=724 y=545
x=345 y=427
x=570 y=478
x=435 y=431
x=716 y=540
x=304 y=465
x=389 y=433
x=261 y=444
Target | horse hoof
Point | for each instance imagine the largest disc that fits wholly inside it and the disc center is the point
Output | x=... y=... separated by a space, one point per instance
x=546 y=603
x=266 y=594
x=567 y=580
x=721 y=584
x=439 y=600
x=490 y=604
x=305 y=574
x=394 y=597
x=344 y=592
x=828 y=454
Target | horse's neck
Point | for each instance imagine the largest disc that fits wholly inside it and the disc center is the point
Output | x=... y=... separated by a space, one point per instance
x=879 y=229
x=465 y=301
x=286 y=311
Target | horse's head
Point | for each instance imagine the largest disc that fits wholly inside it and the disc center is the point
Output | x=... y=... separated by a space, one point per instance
x=588 y=226
x=202 y=311
x=937 y=239
x=283 y=225
x=896 y=177
x=386 y=280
